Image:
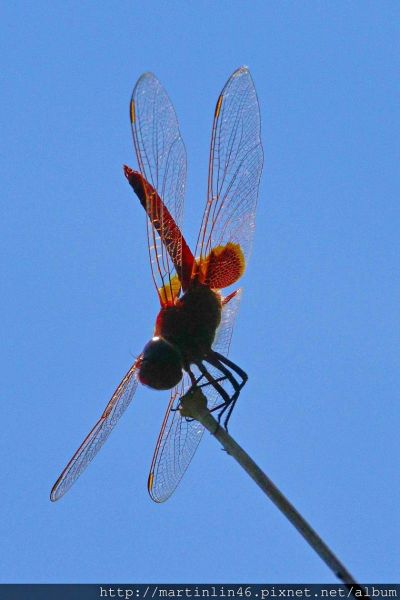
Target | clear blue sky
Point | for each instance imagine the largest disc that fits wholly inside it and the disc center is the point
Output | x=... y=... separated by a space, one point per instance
x=318 y=331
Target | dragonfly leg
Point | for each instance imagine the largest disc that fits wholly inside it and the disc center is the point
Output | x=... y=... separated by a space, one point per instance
x=210 y=381
x=222 y=378
x=201 y=386
x=193 y=378
x=214 y=382
x=195 y=383
x=242 y=374
x=221 y=363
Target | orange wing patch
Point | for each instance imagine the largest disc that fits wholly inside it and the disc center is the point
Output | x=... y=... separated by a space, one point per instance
x=170 y=291
x=223 y=266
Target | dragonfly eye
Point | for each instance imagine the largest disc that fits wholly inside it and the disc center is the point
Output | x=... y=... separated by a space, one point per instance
x=161 y=365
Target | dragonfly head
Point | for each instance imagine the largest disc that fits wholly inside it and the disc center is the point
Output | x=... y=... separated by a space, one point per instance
x=161 y=365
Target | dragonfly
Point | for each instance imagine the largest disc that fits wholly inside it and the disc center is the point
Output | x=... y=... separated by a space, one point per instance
x=190 y=344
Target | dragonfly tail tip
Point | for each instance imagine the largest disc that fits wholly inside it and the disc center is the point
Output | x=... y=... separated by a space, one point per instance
x=127 y=170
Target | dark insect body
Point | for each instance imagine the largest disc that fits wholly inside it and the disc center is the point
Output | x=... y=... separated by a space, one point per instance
x=183 y=335
x=186 y=326
x=190 y=324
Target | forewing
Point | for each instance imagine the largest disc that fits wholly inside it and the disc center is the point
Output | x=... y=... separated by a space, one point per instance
x=236 y=159
x=95 y=439
x=161 y=156
x=179 y=438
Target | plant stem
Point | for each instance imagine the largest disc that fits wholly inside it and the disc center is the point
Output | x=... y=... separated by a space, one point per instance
x=194 y=405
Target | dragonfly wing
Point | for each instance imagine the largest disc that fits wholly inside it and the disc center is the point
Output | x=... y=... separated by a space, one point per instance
x=161 y=156
x=179 y=438
x=119 y=402
x=236 y=160
x=175 y=447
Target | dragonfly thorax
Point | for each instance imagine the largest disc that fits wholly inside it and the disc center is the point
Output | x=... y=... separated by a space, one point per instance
x=161 y=365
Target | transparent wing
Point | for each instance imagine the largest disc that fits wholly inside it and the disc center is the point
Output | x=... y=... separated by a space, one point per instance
x=95 y=439
x=236 y=160
x=179 y=438
x=161 y=156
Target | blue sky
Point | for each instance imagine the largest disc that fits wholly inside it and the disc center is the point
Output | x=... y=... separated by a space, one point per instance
x=318 y=331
